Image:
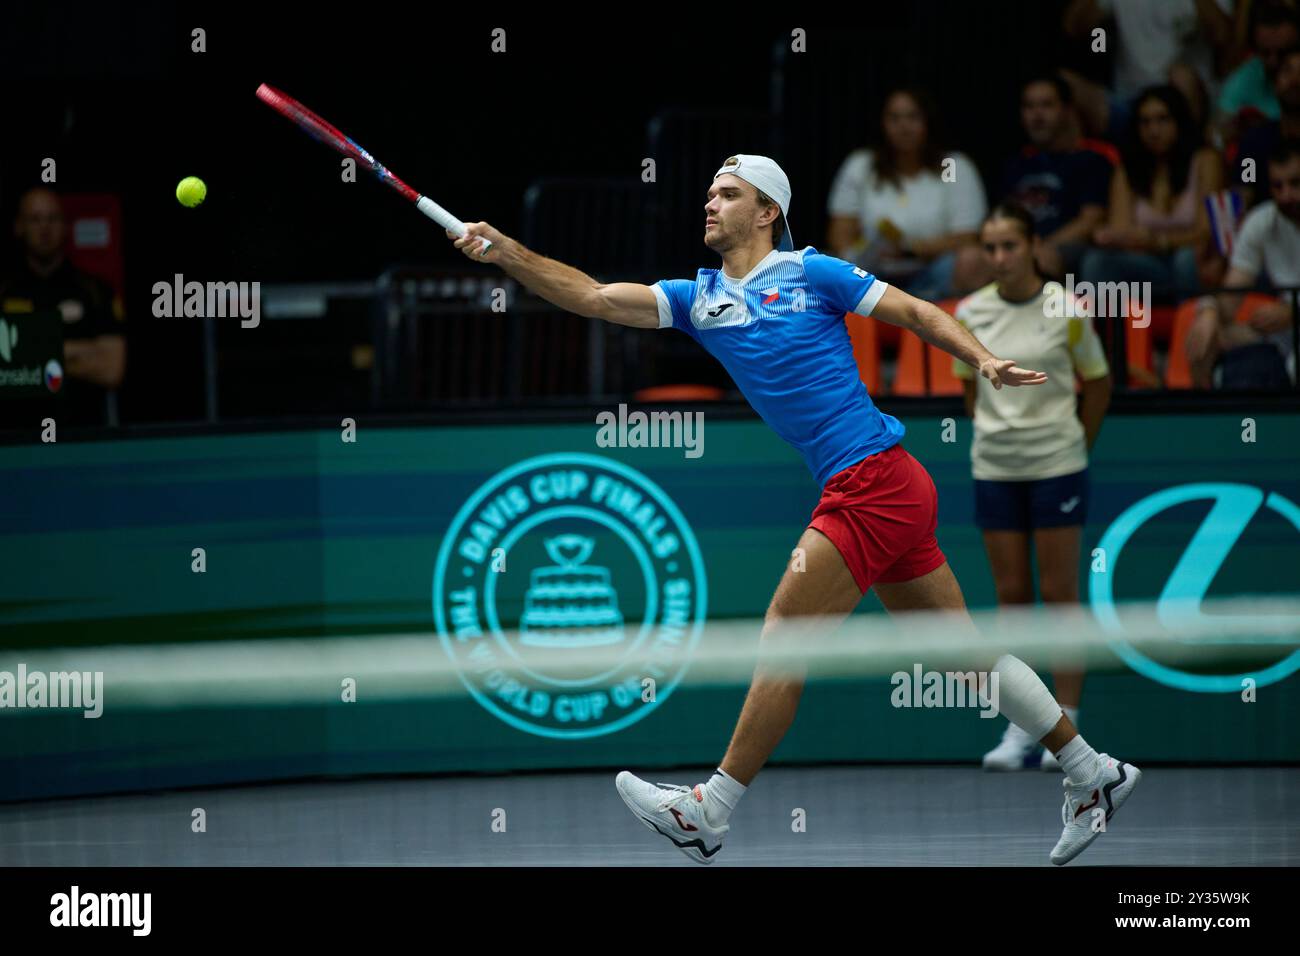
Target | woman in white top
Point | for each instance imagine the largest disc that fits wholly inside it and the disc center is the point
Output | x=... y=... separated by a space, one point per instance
x=908 y=212
x=1029 y=455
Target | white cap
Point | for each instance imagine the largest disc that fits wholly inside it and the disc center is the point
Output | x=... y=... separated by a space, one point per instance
x=768 y=178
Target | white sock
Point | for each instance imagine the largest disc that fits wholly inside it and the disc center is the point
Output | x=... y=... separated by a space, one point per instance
x=1080 y=762
x=721 y=794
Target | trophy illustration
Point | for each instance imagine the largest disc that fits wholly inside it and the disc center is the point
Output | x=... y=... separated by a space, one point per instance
x=569 y=604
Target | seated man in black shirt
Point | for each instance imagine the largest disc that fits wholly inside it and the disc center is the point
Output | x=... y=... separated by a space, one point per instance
x=94 y=349
x=1063 y=180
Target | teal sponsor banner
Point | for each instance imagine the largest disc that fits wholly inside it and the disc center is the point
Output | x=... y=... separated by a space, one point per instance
x=302 y=535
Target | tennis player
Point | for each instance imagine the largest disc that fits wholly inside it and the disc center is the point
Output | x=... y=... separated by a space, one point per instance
x=774 y=317
x=1029 y=457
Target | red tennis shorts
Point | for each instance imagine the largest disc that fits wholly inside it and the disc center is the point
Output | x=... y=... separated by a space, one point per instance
x=881 y=515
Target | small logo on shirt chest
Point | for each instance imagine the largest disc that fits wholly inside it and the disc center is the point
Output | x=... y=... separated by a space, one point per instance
x=770 y=295
x=724 y=311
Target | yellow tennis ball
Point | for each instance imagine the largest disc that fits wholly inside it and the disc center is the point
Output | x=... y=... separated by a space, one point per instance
x=191 y=191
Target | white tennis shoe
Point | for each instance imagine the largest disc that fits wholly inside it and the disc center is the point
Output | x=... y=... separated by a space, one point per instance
x=1088 y=808
x=674 y=812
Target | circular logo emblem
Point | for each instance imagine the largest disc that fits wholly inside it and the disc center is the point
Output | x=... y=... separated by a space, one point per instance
x=1234 y=507
x=53 y=375
x=563 y=585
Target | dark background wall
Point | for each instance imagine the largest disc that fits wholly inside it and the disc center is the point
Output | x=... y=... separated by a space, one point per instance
x=113 y=92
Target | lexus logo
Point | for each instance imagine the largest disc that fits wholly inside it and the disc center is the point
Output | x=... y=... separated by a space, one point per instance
x=1180 y=599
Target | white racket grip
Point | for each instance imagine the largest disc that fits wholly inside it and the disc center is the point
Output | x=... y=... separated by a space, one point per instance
x=447 y=220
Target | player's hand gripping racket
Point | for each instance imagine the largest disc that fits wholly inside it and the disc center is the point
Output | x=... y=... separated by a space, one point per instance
x=317 y=128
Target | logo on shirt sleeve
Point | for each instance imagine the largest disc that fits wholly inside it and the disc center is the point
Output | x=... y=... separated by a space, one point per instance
x=860 y=273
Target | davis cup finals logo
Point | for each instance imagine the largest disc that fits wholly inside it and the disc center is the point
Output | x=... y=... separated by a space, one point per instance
x=562 y=584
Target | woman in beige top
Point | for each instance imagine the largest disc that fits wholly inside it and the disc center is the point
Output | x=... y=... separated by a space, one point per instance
x=1029 y=459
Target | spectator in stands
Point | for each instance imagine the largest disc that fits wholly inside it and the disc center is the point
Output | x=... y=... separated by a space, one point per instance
x=906 y=210
x=1250 y=89
x=1029 y=456
x=94 y=348
x=1155 y=42
x=1259 y=352
x=1158 y=230
x=1260 y=141
x=1059 y=178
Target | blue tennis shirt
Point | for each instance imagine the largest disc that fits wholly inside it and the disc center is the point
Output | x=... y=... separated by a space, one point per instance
x=780 y=333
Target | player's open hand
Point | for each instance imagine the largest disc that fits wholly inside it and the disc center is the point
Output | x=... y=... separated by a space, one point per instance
x=472 y=242
x=1005 y=372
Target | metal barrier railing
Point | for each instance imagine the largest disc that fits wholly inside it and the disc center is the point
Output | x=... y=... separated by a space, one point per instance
x=451 y=338
x=1120 y=330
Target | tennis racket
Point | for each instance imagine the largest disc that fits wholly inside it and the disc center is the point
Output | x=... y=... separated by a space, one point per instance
x=331 y=136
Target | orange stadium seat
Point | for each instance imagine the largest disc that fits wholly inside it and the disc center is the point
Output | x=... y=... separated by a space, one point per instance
x=866 y=349
x=1161 y=325
x=923 y=369
x=1252 y=302
x=1138 y=344
x=942 y=381
x=1178 y=373
x=679 y=393
x=909 y=373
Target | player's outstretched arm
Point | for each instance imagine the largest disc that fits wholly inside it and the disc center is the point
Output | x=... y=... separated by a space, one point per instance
x=939 y=328
x=624 y=303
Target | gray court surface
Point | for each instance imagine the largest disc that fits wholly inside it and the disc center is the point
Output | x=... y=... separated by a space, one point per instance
x=858 y=816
